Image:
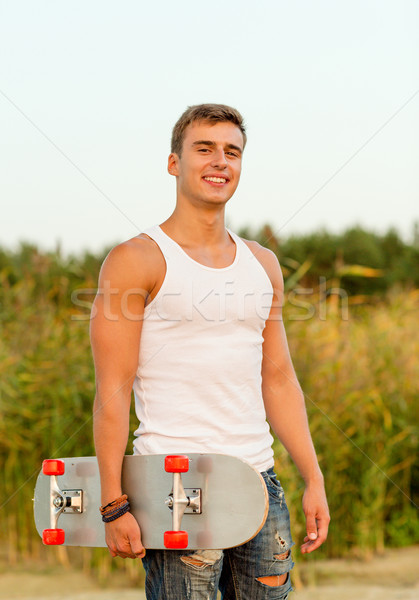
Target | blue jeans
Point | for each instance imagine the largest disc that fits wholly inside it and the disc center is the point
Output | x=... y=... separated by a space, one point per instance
x=197 y=574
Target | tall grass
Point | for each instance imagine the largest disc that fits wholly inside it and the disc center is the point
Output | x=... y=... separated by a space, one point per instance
x=360 y=377
x=361 y=381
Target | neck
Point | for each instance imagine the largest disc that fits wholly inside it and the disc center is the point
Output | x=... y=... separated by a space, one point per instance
x=197 y=227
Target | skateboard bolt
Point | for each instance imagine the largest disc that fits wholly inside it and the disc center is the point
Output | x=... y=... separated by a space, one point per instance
x=58 y=502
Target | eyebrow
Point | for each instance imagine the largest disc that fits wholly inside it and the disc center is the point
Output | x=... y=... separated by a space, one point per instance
x=210 y=143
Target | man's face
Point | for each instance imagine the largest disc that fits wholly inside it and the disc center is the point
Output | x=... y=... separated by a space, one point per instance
x=208 y=171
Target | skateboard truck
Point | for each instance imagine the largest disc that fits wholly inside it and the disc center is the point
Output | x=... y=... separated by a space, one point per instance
x=62 y=501
x=180 y=501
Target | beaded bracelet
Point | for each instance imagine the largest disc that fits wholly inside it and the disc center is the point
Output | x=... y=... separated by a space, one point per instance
x=111 y=505
x=117 y=512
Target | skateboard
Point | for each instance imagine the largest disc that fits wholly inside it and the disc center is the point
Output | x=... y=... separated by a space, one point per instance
x=195 y=501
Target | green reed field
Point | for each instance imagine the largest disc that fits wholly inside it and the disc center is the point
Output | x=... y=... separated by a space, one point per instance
x=357 y=360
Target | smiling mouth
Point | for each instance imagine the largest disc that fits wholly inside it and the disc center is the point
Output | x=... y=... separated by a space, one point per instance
x=216 y=179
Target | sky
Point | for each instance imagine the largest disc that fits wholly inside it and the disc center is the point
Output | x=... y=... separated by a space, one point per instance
x=90 y=91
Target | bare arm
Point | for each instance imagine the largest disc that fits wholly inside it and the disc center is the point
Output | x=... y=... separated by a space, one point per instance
x=115 y=337
x=286 y=412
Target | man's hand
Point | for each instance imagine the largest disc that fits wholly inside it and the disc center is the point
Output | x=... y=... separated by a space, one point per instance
x=123 y=537
x=317 y=516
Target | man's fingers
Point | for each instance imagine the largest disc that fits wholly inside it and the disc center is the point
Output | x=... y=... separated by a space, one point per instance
x=317 y=517
x=311 y=527
x=320 y=530
x=123 y=537
x=126 y=553
x=323 y=528
x=310 y=546
x=137 y=548
x=131 y=549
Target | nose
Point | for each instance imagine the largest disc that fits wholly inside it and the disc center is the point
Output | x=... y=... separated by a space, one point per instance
x=219 y=159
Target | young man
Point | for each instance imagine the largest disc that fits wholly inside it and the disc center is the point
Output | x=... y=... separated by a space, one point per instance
x=189 y=316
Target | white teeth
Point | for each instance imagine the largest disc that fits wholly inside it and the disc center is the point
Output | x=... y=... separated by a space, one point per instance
x=216 y=179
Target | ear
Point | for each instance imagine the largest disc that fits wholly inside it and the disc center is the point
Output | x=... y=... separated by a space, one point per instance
x=172 y=164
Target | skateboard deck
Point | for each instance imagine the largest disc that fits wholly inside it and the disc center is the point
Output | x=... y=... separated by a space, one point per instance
x=220 y=501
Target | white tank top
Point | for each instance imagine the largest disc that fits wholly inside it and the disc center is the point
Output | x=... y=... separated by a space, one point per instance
x=198 y=386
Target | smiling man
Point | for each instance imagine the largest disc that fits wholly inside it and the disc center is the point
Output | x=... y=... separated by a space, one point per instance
x=196 y=330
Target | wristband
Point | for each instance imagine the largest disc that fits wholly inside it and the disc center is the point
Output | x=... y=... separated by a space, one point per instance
x=121 y=500
x=114 y=514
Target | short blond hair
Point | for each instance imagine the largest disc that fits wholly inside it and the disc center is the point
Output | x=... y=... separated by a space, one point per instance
x=211 y=113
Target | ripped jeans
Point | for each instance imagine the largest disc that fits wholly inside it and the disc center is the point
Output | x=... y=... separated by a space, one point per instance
x=198 y=574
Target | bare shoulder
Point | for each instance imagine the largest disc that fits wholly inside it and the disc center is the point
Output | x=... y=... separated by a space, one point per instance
x=269 y=262
x=133 y=262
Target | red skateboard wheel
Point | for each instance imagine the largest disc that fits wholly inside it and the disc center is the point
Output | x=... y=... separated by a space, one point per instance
x=176 y=464
x=175 y=539
x=52 y=466
x=53 y=537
